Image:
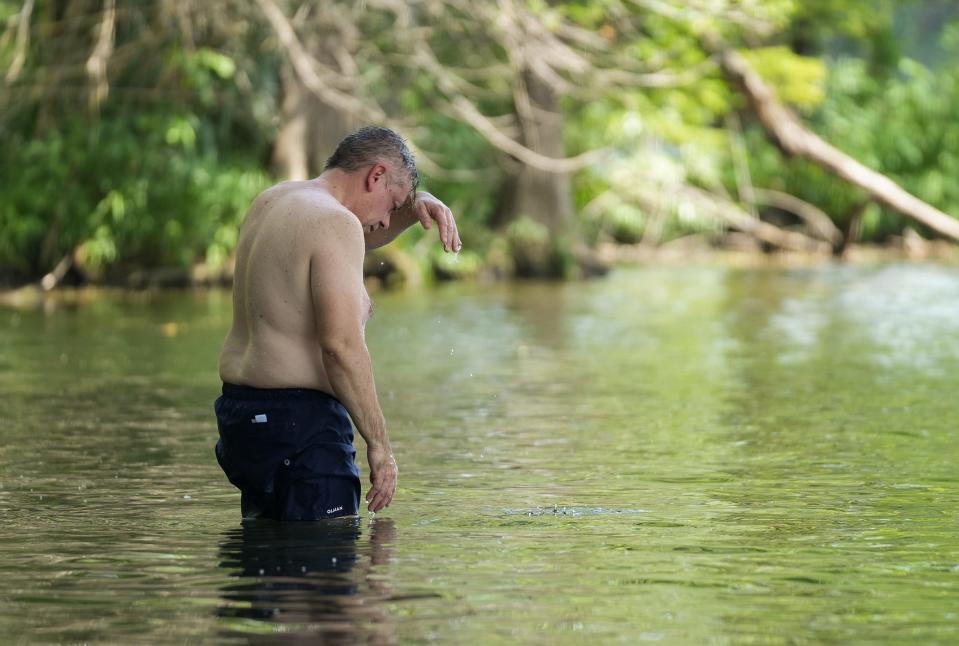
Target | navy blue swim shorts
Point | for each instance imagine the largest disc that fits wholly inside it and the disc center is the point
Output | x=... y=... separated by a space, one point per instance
x=289 y=451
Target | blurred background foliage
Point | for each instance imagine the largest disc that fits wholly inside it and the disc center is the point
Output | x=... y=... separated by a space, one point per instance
x=137 y=132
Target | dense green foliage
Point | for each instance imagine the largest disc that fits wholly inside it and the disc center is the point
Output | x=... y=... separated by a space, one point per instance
x=154 y=164
x=130 y=189
x=904 y=126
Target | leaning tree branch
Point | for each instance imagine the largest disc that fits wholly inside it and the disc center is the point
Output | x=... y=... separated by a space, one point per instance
x=795 y=139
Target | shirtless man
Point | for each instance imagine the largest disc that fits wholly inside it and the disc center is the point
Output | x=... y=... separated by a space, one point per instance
x=295 y=366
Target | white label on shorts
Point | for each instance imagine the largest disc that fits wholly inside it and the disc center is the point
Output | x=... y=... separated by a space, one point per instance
x=259 y=419
x=330 y=511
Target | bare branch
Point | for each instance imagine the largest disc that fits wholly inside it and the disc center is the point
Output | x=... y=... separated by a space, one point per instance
x=306 y=66
x=97 y=63
x=739 y=219
x=57 y=274
x=663 y=196
x=815 y=219
x=584 y=37
x=435 y=170
x=23 y=43
x=697 y=12
x=627 y=78
x=424 y=56
x=526 y=37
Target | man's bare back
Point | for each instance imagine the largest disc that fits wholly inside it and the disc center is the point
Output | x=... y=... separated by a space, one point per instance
x=273 y=342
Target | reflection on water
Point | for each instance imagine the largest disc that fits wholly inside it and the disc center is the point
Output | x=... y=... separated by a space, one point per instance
x=309 y=579
x=684 y=455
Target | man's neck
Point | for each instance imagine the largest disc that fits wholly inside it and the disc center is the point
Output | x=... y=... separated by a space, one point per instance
x=337 y=183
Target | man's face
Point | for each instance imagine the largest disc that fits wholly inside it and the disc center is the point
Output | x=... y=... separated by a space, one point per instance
x=390 y=192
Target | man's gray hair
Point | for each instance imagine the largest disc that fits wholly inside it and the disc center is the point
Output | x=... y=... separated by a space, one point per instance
x=369 y=145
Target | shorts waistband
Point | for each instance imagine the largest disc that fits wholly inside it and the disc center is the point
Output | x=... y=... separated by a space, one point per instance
x=251 y=393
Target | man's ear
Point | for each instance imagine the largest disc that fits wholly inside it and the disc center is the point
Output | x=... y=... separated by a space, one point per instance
x=376 y=174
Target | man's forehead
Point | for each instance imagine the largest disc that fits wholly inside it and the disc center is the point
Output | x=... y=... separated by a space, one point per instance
x=407 y=183
x=400 y=176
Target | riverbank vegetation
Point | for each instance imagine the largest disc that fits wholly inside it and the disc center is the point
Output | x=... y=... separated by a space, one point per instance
x=564 y=135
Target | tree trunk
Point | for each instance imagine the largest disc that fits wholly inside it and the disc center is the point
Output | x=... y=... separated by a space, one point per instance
x=328 y=126
x=546 y=197
x=542 y=196
x=290 y=153
x=311 y=128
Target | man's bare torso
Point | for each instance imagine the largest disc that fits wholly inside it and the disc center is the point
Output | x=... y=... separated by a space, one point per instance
x=273 y=340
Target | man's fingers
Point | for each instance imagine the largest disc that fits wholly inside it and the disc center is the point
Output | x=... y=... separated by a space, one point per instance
x=382 y=491
x=455 y=243
x=430 y=209
x=424 y=217
x=373 y=498
x=373 y=492
x=440 y=216
x=380 y=502
x=422 y=214
x=449 y=229
x=380 y=498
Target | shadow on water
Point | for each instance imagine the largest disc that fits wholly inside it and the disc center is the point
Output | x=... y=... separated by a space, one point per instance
x=317 y=580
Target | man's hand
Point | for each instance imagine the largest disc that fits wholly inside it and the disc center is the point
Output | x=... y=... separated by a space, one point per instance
x=383 y=474
x=427 y=208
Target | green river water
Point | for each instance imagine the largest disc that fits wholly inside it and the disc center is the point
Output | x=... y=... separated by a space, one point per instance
x=685 y=456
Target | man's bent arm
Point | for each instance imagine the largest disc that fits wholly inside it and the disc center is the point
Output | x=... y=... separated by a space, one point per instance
x=336 y=279
x=400 y=221
x=425 y=208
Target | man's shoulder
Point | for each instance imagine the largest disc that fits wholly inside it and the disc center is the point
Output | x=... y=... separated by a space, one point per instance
x=304 y=201
x=326 y=226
